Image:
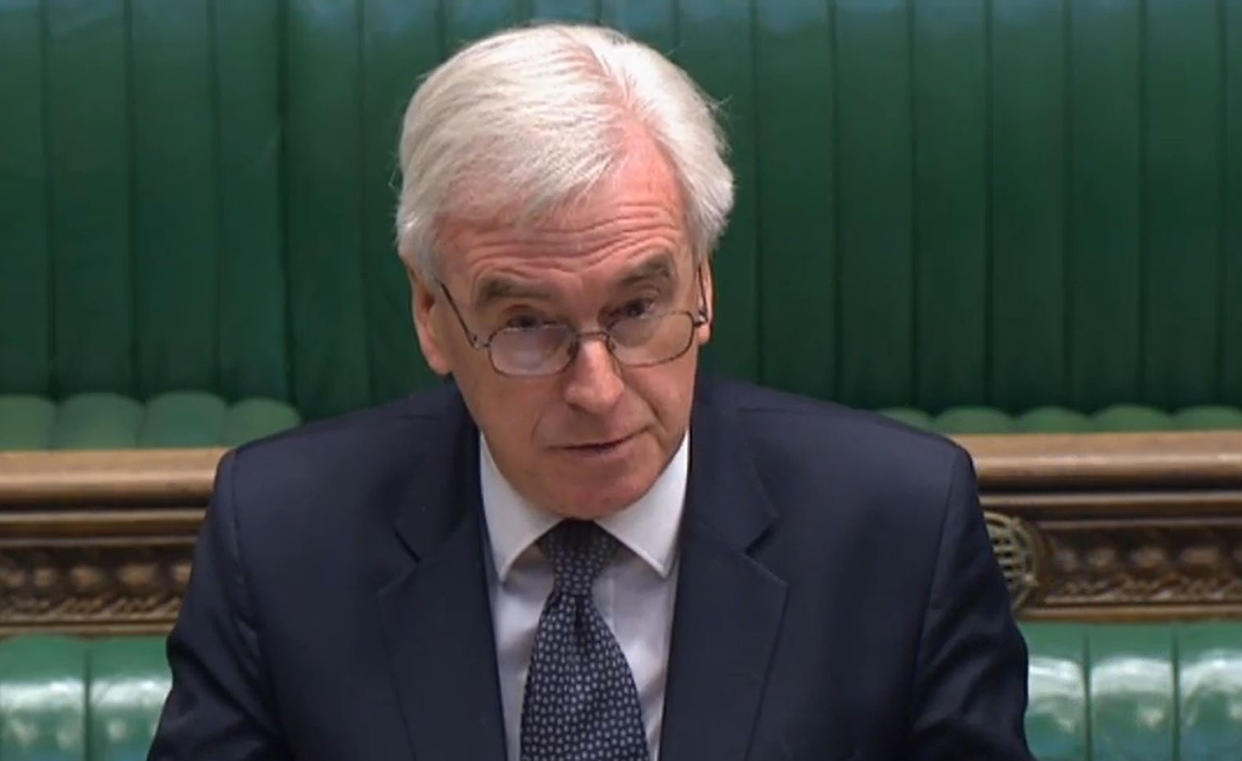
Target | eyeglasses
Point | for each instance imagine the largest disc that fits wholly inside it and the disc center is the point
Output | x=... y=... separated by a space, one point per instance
x=652 y=338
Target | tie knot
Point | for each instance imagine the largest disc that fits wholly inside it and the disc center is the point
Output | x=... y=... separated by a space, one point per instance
x=578 y=550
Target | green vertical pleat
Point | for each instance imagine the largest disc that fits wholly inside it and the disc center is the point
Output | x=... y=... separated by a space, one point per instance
x=468 y=20
x=174 y=195
x=25 y=335
x=875 y=281
x=1183 y=201
x=252 y=306
x=1104 y=272
x=89 y=151
x=1231 y=284
x=1028 y=211
x=940 y=202
x=651 y=21
x=400 y=43
x=708 y=27
x=950 y=131
x=571 y=11
x=324 y=208
x=793 y=68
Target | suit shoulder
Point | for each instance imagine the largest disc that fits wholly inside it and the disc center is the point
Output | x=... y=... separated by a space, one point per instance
x=346 y=452
x=794 y=414
x=803 y=438
x=331 y=433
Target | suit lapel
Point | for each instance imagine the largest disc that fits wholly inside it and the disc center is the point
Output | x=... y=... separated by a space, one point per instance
x=729 y=606
x=436 y=614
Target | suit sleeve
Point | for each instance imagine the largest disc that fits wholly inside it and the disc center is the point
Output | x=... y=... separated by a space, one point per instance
x=970 y=687
x=220 y=707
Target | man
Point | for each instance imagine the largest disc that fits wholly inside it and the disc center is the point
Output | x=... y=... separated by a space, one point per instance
x=581 y=549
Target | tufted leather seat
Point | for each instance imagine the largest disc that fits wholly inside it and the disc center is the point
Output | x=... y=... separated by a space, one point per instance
x=1051 y=419
x=112 y=421
x=1101 y=692
x=1135 y=693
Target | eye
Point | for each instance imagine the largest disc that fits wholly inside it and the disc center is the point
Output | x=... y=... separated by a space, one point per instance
x=524 y=322
x=635 y=308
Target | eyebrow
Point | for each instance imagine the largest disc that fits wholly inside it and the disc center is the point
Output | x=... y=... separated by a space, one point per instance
x=494 y=289
x=658 y=267
x=498 y=288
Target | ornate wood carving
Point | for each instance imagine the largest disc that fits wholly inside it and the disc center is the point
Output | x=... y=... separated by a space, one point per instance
x=133 y=586
x=1086 y=527
x=1161 y=560
x=98 y=542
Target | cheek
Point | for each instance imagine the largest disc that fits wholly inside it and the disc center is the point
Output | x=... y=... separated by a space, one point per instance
x=668 y=390
x=509 y=411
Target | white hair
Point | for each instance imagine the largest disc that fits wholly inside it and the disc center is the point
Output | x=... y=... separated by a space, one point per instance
x=529 y=119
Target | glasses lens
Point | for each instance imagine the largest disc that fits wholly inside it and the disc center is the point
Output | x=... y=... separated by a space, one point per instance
x=650 y=340
x=531 y=351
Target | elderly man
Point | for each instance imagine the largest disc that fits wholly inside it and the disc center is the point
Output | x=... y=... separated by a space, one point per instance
x=580 y=549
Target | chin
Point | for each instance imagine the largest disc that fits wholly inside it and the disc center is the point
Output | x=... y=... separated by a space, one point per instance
x=594 y=501
x=594 y=486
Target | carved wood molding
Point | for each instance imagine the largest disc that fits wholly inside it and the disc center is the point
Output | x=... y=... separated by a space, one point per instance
x=131 y=586
x=99 y=542
x=1086 y=527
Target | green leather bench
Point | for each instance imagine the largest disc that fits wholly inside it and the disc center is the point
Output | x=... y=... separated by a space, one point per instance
x=1102 y=692
x=965 y=211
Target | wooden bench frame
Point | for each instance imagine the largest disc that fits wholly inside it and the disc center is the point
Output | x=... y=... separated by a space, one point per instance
x=1087 y=527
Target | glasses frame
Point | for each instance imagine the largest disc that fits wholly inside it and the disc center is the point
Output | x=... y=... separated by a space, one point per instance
x=579 y=336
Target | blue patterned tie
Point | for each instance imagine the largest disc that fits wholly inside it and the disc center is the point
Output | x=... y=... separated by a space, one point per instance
x=580 y=703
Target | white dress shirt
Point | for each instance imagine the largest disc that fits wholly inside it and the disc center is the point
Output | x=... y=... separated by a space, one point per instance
x=634 y=593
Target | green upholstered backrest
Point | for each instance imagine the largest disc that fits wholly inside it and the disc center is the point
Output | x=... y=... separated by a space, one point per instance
x=1121 y=692
x=80 y=700
x=104 y=420
x=1129 y=692
x=1010 y=203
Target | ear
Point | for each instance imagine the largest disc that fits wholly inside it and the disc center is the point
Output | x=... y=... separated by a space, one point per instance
x=428 y=322
x=704 y=332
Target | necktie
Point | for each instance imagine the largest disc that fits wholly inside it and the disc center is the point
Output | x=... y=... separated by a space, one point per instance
x=580 y=702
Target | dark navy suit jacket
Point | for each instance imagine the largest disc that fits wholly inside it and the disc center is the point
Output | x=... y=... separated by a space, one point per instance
x=838 y=598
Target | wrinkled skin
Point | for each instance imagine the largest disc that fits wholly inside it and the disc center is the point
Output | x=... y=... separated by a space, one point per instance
x=593 y=439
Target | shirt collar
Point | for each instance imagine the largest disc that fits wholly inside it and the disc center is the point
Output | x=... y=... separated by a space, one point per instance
x=647 y=527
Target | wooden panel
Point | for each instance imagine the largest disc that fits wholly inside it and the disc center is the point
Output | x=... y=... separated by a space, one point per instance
x=1086 y=527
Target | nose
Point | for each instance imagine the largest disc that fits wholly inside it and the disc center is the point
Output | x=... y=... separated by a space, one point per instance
x=593 y=382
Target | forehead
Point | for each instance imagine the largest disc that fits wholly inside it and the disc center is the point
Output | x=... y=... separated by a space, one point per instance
x=633 y=214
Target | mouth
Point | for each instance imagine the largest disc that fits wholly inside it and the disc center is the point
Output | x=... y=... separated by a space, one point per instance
x=600 y=447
